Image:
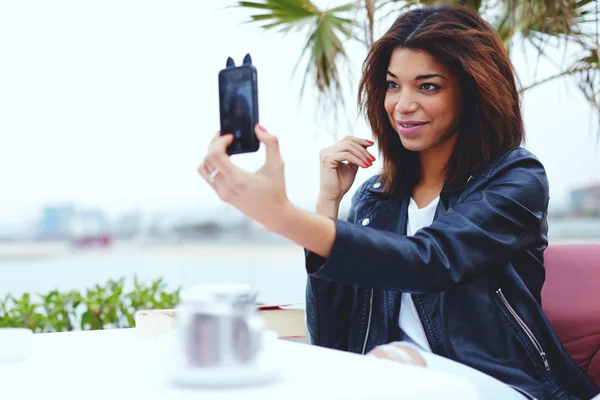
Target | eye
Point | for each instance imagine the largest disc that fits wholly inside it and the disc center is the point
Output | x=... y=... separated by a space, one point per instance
x=392 y=85
x=429 y=87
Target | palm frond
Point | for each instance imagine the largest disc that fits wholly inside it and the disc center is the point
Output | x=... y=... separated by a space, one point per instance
x=554 y=24
x=327 y=31
x=558 y=18
x=370 y=7
x=586 y=72
x=386 y=8
x=543 y=24
x=285 y=14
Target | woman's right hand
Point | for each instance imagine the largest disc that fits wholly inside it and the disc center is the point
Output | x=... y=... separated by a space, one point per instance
x=339 y=164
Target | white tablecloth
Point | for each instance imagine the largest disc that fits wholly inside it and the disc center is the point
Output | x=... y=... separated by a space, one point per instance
x=115 y=364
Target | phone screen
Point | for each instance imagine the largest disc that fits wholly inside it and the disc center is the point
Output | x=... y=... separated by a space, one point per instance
x=237 y=108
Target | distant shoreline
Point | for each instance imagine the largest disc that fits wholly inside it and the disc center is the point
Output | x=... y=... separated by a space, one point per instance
x=36 y=251
x=41 y=251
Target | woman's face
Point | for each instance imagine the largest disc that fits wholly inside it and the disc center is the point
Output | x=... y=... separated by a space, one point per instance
x=423 y=100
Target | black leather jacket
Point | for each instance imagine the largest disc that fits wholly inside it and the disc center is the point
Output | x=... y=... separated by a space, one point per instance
x=475 y=275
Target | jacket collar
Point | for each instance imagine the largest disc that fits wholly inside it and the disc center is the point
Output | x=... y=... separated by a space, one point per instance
x=458 y=188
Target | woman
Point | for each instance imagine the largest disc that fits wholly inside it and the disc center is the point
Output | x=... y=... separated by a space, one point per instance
x=443 y=249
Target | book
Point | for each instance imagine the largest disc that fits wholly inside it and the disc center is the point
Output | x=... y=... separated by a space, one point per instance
x=287 y=320
x=149 y=324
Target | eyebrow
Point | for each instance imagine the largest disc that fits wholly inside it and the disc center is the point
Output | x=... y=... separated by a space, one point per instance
x=420 y=77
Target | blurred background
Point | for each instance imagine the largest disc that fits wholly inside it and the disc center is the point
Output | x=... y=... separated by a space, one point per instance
x=107 y=108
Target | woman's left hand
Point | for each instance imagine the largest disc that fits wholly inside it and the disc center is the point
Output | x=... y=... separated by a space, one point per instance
x=261 y=195
x=398 y=352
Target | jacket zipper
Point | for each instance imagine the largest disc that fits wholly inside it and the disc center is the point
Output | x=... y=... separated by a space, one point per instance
x=525 y=328
x=368 y=323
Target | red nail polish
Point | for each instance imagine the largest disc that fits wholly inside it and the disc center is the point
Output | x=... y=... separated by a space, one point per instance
x=366 y=164
x=370 y=141
x=262 y=128
x=373 y=158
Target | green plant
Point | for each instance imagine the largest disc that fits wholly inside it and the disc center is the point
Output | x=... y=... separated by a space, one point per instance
x=103 y=304
x=154 y=296
x=60 y=309
x=6 y=318
x=26 y=313
x=99 y=307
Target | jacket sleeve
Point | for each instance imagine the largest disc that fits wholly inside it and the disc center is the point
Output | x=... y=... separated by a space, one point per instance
x=479 y=233
x=329 y=303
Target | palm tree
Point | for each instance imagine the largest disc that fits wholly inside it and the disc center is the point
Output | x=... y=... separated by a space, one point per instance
x=547 y=25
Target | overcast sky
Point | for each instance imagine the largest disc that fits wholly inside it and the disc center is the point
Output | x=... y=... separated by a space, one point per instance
x=112 y=104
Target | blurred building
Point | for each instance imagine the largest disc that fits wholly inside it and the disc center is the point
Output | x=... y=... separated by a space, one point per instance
x=90 y=228
x=90 y=222
x=128 y=224
x=586 y=201
x=69 y=222
x=55 y=222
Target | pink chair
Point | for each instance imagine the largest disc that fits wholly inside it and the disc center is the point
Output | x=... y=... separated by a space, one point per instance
x=571 y=301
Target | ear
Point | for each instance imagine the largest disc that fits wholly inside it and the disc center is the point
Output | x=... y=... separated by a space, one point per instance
x=230 y=63
x=247 y=60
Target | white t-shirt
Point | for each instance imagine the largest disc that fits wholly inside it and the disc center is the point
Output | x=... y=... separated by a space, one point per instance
x=409 y=320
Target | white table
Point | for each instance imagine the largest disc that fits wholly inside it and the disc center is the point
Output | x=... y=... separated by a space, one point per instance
x=116 y=364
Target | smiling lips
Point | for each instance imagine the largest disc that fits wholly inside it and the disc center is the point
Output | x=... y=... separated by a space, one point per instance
x=409 y=127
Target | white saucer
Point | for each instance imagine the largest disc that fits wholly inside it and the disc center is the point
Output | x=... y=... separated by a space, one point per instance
x=267 y=368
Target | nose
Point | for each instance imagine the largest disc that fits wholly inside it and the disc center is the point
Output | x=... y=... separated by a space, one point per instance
x=406 y=103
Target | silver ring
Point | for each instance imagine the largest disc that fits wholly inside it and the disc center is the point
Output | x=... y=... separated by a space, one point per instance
x=213 y=175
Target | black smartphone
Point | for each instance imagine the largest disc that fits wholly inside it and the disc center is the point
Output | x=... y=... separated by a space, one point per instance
x=238 y=104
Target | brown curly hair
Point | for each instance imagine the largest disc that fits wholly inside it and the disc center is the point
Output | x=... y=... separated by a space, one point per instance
x=491 y=121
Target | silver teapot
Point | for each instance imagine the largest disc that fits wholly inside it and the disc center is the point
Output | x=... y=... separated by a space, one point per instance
x=218 y=325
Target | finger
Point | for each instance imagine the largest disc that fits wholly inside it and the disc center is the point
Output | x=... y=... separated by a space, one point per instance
x=215 y=137
x=337 y=157
x=228 y=173
x=270 y=141
x=207 y=171
x=356 y=147
x=204 y=172
x=363 y=142
x=211 y=171
x=360 y=150
x=357 y=151
x=224 y=184
x=217 y=158
x=393 y=353
x=220 y=185
x=219 y=144
x=378 y=353
x=360 y=141
x=414 y=354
